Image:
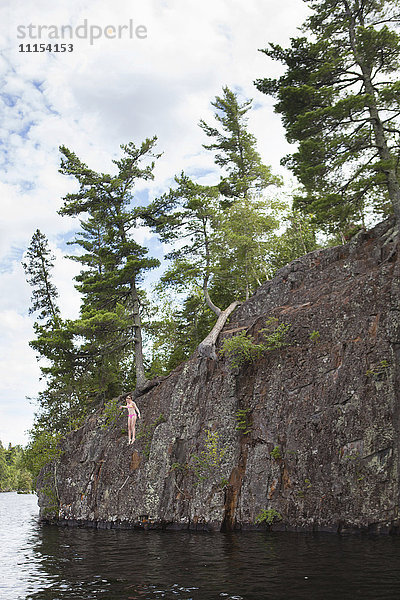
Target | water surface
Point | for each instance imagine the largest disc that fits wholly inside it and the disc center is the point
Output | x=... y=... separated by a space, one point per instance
x=40 y=562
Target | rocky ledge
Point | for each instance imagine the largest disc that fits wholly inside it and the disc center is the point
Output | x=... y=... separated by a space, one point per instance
x=304 y=437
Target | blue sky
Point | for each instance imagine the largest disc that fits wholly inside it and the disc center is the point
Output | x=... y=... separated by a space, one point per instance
x=92 y=100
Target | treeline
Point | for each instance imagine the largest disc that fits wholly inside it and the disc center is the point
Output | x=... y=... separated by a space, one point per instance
x=339 y=101
x=14 y=472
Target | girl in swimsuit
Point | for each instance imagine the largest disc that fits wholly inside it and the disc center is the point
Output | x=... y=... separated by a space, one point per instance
x=133 y=414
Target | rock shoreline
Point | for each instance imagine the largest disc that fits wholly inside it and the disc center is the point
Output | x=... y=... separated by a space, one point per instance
x=322 y=417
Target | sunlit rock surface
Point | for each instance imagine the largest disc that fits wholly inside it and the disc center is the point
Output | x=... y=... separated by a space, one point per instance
x=326 y=406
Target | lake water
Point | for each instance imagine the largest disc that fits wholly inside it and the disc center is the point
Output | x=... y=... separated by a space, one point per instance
x=39 y=562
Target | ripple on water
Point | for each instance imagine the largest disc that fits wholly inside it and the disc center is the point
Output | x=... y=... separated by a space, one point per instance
x=50 y=563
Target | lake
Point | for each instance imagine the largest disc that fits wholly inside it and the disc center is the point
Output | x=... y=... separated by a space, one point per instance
x=43 y=562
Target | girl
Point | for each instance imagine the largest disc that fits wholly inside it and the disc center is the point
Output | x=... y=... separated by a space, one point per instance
x=133 y=414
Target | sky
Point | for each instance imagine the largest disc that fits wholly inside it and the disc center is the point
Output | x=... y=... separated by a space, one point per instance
x=137 y=69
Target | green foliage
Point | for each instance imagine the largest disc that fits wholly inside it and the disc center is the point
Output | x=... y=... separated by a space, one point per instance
x=14 y=476
x=111 y=412
x=245 y=221
x=298 y=238
x=38 y=263
x=112 y=260
x=187 y=212
x=243 y=420
x=224 y=232
x=274 y=334
x=240 y=349
x=276 y=453
x=245 y=238
x=315 y=336
x=42 y=449
x=339 y=101
x=235 y=148
x=268 y=516
x=96 y=356
x=176 y=329
x=209 y=463
x=60 y=404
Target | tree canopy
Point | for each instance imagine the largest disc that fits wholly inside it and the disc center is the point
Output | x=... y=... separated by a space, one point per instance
x=223 y=228
x=235 y=148
x=14 y=474
x=113 y=261
x=340 y=102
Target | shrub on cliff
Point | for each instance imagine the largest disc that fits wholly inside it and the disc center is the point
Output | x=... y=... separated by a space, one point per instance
x=241 y=348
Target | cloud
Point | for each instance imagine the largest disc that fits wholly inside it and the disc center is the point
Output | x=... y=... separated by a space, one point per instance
x=19 y=373
x=100 y=96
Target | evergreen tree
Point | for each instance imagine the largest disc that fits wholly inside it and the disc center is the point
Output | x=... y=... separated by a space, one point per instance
x=14 y=475
x=298 y=238
x=177 y=328
x=246 y=219
x=188 y=214
x=4 y=470
x=244 y=240
x=235 y=149
x=225 y=227
x=38 y=264
x=113 y=261
x=340 y=101
x=61 y=365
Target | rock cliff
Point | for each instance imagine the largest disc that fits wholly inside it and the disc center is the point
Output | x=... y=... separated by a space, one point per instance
x=306 y=437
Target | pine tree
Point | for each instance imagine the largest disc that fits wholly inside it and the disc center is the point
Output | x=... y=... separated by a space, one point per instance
x=60 y=403
x=38 y=264
x=245 y=231
x=113 y=262
x=340 y=101
x=235 y=149
x=225 y=227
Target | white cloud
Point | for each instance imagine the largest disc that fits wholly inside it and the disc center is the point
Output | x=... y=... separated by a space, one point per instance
x=19 y=371
x=99 y=96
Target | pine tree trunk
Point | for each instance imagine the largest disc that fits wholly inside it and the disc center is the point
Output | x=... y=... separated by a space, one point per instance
x=384 y=151
x=137 y=328
x=379 y=131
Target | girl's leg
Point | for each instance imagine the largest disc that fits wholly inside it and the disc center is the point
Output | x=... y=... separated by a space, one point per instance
x=129 y=430
x=133 y=428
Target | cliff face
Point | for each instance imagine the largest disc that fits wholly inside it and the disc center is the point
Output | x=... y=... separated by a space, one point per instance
x=307 y=436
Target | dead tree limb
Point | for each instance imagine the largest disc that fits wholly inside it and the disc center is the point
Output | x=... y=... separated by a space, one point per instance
x=206 y=348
